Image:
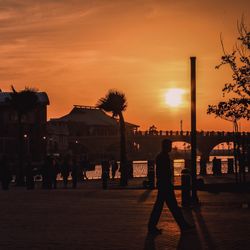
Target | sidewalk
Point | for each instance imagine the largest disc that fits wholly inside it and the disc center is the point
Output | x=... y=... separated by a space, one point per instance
x=92 y=218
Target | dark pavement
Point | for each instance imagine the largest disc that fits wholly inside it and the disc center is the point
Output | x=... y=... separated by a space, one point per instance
x=92 y=218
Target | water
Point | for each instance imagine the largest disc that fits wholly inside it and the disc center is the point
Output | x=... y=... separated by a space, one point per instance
x=140 y=168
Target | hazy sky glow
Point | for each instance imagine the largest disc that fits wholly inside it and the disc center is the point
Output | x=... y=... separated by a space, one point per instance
x=77 y=50
x=174 y=97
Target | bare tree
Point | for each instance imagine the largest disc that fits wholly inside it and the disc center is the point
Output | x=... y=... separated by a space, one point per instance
x=237 y=106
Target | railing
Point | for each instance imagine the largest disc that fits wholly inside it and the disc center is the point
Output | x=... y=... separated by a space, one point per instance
x=140 y=169
x=84 y=107
x=188 y=133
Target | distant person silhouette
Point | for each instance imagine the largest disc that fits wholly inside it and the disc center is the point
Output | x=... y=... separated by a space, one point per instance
x=74 y=173
x=114 y=168
x=54 y=170
x=105 y=173
x=85 y=166
x=46 y=173
x=5 y=173
x=65 y=169
x=30 y=184
x=165 y=192
x=216 y=166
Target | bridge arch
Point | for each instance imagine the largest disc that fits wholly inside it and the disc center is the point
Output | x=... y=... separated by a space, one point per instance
x=226 y=145
x=182 y=150
x=211 y=143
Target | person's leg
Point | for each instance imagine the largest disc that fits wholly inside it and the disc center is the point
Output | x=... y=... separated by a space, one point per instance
x=156 y=212
x=54 y=182
x=74 y=180
x=65 y=181
x=175 y=209
x=85 y=174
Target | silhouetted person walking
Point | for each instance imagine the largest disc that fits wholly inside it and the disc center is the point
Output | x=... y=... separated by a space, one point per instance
x=165 y=192
x=5 y=173
x=74 y=173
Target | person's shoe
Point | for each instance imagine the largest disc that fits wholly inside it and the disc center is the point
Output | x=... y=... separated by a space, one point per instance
x=187 y=227
x=154 y=231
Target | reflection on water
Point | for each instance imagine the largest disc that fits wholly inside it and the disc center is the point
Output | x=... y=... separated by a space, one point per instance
x=140 y=168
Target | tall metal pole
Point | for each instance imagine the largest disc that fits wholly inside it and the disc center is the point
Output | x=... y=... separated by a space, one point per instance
x=193 y=129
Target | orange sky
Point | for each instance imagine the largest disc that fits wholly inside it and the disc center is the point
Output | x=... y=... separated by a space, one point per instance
x=77 y=50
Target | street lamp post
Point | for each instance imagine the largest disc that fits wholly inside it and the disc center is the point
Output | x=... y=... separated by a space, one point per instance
x=193 y=129
x=27 y=144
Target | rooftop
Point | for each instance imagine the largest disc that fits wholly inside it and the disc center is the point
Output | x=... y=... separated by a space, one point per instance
x=42 y=97
x=90 y=116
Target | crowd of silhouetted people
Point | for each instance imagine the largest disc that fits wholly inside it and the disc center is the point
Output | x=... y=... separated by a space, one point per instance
x=75 y=168
x=216 y=169
x=53 y=167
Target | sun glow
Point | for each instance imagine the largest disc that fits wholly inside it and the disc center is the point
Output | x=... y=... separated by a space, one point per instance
x=174 y=97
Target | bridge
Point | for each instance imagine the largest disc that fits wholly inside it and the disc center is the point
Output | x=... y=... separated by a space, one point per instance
x=144 y=145
x=147 y=143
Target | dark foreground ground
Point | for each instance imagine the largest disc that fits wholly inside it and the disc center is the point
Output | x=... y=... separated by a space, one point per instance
x=92 y=218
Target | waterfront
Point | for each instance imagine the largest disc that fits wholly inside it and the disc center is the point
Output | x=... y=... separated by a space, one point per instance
x=140 y=168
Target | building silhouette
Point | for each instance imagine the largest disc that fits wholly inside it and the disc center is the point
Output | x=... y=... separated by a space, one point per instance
x=34 y=128
x=86 y=130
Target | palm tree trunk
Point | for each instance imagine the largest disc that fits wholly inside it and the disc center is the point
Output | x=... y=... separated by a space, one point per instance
x=20 y=170
x=123 y=153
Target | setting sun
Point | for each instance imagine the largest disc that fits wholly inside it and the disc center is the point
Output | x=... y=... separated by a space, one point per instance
x=174 y=97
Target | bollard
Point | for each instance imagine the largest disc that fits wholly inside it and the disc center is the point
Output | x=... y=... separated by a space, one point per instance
x=203 y=166
x=104 y=182
x=185 y=187
x=151 y=174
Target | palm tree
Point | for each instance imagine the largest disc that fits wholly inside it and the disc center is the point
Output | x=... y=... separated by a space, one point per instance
x=22 y=103
x=116 y=102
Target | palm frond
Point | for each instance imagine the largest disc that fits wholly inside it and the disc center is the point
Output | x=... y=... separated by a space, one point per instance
x=23 y=101
x=114 y=101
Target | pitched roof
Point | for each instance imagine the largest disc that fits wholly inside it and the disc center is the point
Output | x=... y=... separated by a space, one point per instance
x=42 y=97
x=90 y=116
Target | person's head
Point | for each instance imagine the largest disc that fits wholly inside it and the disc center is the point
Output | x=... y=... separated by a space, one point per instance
x=166 y=145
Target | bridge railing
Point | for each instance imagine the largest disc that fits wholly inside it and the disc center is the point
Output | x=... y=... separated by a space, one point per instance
x=187 y=133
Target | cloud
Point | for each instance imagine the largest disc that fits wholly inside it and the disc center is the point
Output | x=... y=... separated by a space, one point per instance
x=77 y=46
